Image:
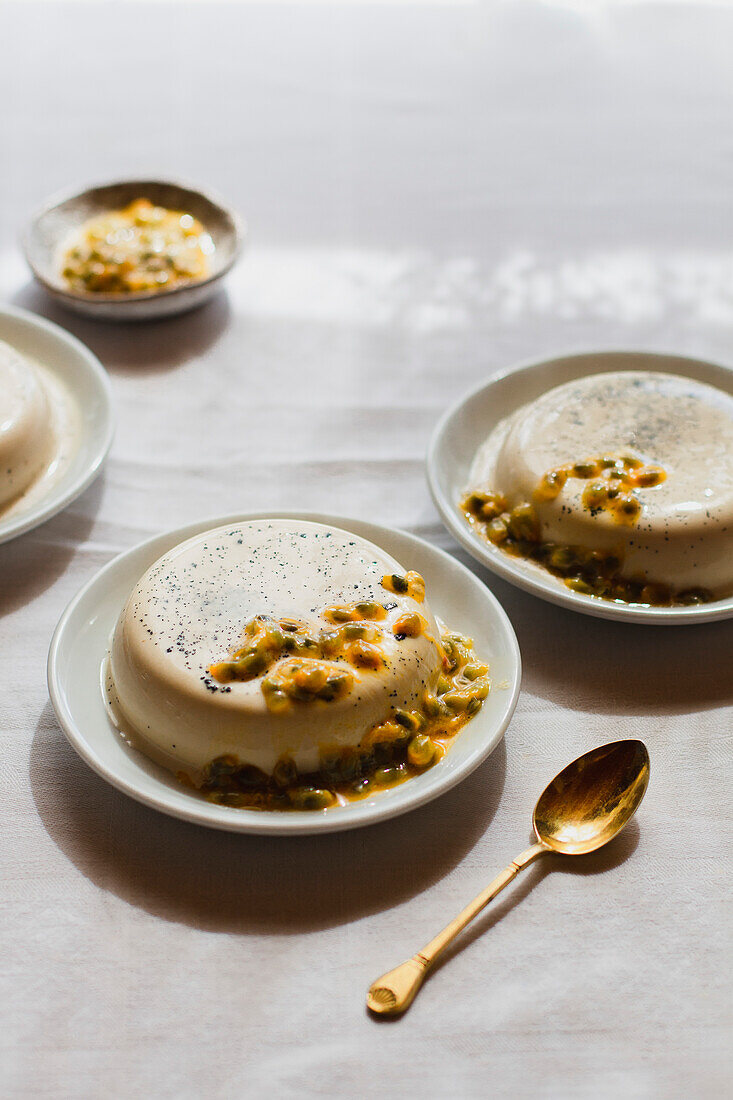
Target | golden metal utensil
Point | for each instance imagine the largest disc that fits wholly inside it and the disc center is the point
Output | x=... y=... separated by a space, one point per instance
x=584 y=807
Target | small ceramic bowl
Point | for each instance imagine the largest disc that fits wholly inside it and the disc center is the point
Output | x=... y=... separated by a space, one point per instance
x=48 y=234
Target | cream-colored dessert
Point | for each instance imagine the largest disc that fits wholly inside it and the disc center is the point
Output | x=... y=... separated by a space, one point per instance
x=39 y=431
x=277 y=646
x=25 y=431
x=635 y=467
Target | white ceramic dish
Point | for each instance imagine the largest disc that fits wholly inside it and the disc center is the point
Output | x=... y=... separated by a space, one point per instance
x=82 y=636
x=86 y=381
x=52 y=226
x=465 y=426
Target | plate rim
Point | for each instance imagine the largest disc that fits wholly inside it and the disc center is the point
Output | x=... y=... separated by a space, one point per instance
x=50 y=505
x=516 y=573
x=249 y=821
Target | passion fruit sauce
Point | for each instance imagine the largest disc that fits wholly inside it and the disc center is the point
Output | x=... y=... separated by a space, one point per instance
x=405 y=744
x=613 y=484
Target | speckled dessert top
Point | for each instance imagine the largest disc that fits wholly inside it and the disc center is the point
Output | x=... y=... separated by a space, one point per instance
x=188 y=614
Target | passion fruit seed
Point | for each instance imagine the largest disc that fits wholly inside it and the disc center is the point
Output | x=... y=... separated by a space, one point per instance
x=523 y=523
x=364 y=655
x=311 y=798
x=420 y=751
x=409 y=626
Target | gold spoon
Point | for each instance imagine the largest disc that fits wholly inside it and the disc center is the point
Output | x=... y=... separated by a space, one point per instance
x=584 y=807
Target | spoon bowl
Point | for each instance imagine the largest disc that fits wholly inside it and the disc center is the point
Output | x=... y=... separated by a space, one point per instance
x=591 y=800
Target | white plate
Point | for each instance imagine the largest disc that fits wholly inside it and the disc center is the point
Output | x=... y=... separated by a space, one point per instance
x=84 y=378
x=464 y=427
x=81 y=639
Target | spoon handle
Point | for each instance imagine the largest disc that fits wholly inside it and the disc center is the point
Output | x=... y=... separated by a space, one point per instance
x=395 y=991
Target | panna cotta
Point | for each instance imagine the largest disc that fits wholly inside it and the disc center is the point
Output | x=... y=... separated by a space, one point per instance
x=25 y=424
x=278 y=662
x=621 y=484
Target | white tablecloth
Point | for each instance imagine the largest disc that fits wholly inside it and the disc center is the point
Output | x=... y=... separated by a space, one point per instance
x=434 y=193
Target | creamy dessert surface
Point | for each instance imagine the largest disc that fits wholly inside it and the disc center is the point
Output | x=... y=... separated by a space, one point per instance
x=681 y=536
x=39 y=427
x=187 y=617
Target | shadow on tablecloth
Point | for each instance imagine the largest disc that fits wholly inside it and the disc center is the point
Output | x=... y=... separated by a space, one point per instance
x=599 y=666
x=595 y=863
x=152 y=347
x=225 y=882
x=604 y=860
x=32 y=562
